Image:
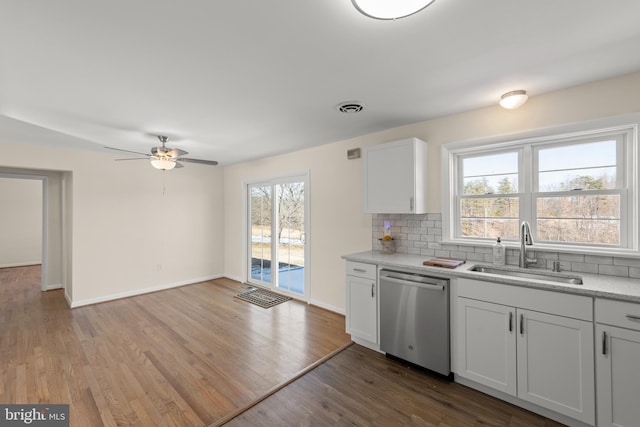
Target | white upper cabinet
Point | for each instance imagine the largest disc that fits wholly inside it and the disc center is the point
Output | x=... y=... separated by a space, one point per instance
x=394 y=177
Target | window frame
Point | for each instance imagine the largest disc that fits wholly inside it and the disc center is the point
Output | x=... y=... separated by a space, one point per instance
x=625 y=128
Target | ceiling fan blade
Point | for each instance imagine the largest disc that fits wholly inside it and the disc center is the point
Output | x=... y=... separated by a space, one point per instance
x=178 y=165
x=202 y=162
x=127 y=151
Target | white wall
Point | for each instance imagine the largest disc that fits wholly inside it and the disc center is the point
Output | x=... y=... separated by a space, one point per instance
x=125 y=236
x=338 y=225
x=20 y=222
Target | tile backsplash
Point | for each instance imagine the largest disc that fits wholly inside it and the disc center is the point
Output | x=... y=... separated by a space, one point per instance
x=422 y=235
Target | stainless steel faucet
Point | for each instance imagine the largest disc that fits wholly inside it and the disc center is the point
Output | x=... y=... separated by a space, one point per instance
x=525 y=240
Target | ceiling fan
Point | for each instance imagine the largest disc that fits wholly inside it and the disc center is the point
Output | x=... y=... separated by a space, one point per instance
x=165 y=158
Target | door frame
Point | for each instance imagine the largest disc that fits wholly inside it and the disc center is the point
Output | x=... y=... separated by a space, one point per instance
x=302 y=176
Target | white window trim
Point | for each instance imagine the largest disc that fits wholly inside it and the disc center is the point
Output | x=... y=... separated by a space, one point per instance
x=627 y=122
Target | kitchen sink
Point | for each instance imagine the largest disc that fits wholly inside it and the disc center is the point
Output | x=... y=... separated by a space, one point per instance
x=528 y=274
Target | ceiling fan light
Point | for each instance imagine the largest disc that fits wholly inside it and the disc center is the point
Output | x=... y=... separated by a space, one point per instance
x=163 y=164
x=514 y=99
x=390 y=9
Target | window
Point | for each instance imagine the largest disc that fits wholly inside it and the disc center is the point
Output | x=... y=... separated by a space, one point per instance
x=576 y=190
x=489 y=201
x=579 y=192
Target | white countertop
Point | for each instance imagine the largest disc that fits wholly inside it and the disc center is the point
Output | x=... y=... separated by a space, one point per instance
x=612 y=287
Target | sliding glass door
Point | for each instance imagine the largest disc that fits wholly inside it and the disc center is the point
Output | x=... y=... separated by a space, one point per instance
x=277 y=234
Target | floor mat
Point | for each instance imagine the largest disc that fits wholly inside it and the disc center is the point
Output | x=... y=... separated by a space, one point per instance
x=263 y=298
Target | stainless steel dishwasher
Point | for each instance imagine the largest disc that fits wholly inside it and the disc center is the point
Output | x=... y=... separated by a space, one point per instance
x=414 y=319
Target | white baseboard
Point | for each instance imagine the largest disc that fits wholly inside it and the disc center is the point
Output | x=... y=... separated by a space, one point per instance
x=232 y=277
x=327 y=307
x=52 y=287
x=67 y=298
x=21 y=264
x=89 y=301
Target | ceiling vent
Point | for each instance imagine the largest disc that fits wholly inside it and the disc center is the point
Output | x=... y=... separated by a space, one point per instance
x=350 y=107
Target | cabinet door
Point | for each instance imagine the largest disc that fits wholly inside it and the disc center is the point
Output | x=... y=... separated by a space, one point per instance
x=618 y=374
x=389 y=180
x=362 y=320
x=487 y=344
x=556 y=363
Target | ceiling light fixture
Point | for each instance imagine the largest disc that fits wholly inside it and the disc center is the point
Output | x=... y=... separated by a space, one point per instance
x=390 y=9
x=162 y=164
x=350 y=107
x=514 y=99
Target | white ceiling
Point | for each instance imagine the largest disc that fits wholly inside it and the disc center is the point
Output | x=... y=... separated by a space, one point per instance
x=234 y=80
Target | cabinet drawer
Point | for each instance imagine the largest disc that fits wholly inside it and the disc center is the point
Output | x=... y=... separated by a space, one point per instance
x=360 y=269
x=618 y=313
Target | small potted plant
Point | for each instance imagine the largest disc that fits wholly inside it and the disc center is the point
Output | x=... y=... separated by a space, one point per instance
x=388 y=245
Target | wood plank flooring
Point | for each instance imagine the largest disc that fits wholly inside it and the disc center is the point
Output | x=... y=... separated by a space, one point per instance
x=195 y=355
x=182 y=357
x=360 y=387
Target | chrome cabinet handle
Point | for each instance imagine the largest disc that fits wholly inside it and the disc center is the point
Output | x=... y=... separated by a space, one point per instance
x=411 y=204
x=604 y=343
x=360 y=270
x=511 y=321
x=522 y=324
x=372 y=286
x=633 y=317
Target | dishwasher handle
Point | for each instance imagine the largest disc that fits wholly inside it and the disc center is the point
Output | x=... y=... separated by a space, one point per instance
x=400 y=281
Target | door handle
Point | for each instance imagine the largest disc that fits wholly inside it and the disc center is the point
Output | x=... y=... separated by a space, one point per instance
x=633 y=317
x=360 y=270
x=428 y=286
x=410 y=204
x=511 y=321
x=372 y=286
x=604 y=343
x=522 y=324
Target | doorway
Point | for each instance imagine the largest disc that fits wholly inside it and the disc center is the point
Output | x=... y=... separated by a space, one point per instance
x=23 y=225
x=277 y=234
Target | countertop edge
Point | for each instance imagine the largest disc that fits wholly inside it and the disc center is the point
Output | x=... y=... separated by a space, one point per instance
x=597 y=286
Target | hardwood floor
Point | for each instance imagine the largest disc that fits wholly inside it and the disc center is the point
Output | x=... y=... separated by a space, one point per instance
x=194 y=356
x=184 y=357
x=360 y=387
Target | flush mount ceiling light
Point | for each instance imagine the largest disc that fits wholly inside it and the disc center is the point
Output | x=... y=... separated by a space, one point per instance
x=514 y=99
x=390 y=9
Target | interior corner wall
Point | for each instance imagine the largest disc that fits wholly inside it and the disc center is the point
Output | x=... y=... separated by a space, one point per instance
x=129 y=228
x=338 y=225
x=20 y=222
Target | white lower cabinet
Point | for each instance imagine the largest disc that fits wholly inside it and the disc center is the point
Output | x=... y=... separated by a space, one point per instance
x=488 y=345
x=362 y=299
x=618 y=363
x=514 y=340
x=555 y=363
